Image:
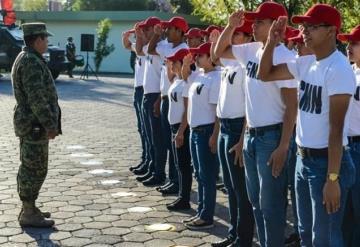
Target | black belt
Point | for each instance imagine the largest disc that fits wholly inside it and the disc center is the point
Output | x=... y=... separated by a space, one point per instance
x=200 y=127
x=312 y=152
x=353 y=139
x=232 y=120
x=139 y=87
x=259 y=131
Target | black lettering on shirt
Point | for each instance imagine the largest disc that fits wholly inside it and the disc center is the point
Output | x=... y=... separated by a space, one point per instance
x=357 y=93
x=231 y=78
x=311 y=99
x=251 y=70
x=199 y=88
x=174 y=97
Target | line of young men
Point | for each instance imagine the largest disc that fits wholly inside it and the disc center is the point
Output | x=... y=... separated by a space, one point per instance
x=249 y=117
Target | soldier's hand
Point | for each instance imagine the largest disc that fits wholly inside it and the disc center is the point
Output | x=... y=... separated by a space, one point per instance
x=158 y=29
x=236 y=19
x=214 y=36
x=52 y=134
x=188 y=60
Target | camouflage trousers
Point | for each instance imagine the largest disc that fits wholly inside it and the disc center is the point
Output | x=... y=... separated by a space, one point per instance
x=33 y=168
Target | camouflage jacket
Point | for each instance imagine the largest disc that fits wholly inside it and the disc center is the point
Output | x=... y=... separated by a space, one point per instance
x=35 y=94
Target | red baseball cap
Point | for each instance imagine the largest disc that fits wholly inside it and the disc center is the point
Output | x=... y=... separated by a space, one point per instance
x=267 y=10
x=291 y=33
x=179 y=55
x=194 y=33
x=245 y=28
x=354 y=35
x=201 y=49
x=297 y=39
x=151 y=21
x=177 y=22
x=210 y=28
x=318 y=14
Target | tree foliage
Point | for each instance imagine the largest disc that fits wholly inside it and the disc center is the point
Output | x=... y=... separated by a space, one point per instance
x=34 y=5
x=217 y=11
x=102 y=48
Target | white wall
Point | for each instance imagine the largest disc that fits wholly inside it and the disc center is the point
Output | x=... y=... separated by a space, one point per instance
x=118 y=61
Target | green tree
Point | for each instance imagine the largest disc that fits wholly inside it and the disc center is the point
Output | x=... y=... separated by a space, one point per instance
x=34 y=5
x=116 y=5
x=218 y=11
x=102 y=48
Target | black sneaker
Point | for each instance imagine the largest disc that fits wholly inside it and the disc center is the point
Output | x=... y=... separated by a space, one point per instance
x=294 y=238
x=153 y=181
x=141 y=170
x=144 y=177
x=171 y=190
x=168 y=184
x=199 y=224
x=223 y=243
x=179 y=205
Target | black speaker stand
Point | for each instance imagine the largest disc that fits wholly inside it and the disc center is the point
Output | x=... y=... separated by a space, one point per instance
x=87 y=69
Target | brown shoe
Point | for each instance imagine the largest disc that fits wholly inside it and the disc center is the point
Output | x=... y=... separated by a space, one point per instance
x=34 y=219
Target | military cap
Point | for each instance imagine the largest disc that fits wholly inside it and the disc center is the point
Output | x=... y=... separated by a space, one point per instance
x=35 y=28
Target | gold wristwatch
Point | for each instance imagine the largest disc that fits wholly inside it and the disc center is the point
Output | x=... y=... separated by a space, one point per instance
x=333 y=177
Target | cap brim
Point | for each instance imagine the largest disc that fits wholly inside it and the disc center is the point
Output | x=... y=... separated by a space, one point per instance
x=297 y=40
x=298 y=19
x=345 y=37
x=165 y=24
x=251 y=16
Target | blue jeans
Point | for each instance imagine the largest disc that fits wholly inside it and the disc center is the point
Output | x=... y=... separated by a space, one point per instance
x=317 y=227
x=241 y=228
x=183 y=163
x=154 y=133
x=291 y=167
x=206 y=168
x=266 y=193
x=138 y=98
x=351 y=227
x=166 y=133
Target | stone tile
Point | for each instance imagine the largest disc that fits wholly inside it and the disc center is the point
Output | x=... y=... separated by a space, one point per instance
x=75 y=242
x=86 y=233
x=137 y=237
x=115 y=231
x=159 y=243
x=108 y=239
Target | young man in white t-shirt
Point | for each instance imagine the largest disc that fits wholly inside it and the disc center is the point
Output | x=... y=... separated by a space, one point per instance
x=138 y=96
x=270 y=113
x=351 y=228
x=174 y=30
x=180 y=129
x=203 y=96
x=325 y=170
x=231 y=113
x=151 y=85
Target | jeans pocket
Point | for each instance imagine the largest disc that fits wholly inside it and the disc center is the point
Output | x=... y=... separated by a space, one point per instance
x=270 y=138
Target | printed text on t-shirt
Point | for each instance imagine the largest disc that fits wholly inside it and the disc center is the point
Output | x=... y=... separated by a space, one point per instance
x=311 y=98
x=251 y=70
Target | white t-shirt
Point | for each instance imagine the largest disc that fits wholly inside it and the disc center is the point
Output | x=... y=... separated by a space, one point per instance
x=152 y=73
x=139 y=69
x=203 y=97
x=176 y=101
x=263 y=101
x=318 y=81
x=166 y=49
x=231 y=103
x=354 y=125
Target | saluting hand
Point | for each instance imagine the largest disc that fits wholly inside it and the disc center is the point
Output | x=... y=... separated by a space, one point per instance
x=187 y=60
x=158 y=29
x=277 y=30
x=126 y=35
x=214 y=36
x=236 y=19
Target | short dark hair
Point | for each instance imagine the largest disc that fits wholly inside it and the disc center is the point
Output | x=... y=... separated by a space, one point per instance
x=30 y=39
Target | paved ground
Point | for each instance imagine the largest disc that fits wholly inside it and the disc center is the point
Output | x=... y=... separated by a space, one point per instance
x=92 y=196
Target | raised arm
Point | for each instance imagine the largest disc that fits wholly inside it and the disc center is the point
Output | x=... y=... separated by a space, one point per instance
x=140 y=41
x=185 y=69
x=213 y=38
x=126 y=41
x=267 y=70
x=223 y=47
x=155 y=39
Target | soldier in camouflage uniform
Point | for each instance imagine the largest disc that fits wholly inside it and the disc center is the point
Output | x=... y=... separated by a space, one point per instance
x=37 y=119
